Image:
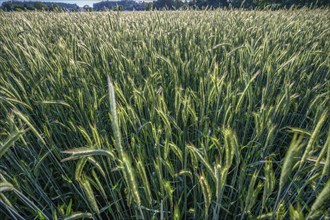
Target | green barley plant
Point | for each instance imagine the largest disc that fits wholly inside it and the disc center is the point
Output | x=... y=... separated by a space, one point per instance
x=215 y=114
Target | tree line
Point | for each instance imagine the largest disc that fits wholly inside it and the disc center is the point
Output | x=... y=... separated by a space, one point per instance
x=130 y=5
x=275 y=4
x=39 y=6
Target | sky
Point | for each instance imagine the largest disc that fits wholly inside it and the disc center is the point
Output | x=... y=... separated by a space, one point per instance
x=80 y=3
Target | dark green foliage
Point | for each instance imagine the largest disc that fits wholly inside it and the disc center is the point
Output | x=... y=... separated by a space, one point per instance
x=129 y=5
x=35 y=5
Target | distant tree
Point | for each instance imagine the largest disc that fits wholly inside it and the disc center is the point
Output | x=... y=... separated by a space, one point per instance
x=148 y=6
x=28 y=6
x=177 y=4
x=118 y=8
x=118 y=5
x=200 y=3
x=262 y=3
x=224 y=3
x=240 y=3
x=55 y=7
x=162 y=4
x=34 y=5
x=7 y=6
x=40 y=6
x=18 y=7
x=88 y=8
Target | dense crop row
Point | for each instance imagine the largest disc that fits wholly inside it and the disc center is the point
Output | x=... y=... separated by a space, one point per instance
x=165 y=115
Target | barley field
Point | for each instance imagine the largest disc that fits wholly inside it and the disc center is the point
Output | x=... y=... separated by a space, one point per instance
x=165 y=115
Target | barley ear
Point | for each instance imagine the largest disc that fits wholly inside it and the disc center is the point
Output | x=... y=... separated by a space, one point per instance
x=321 y=199
x=207 y=194
x=114 y=119
x=313 y=138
